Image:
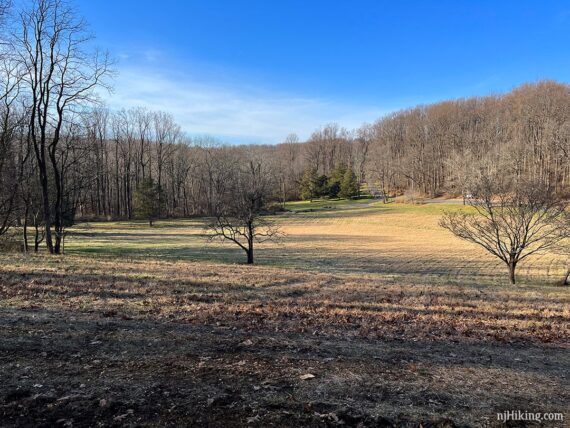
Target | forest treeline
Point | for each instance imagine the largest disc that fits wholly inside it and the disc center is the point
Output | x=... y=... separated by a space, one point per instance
x=430 y=150
x=63 y=154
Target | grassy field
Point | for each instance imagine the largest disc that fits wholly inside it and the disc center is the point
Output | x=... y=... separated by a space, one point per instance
x=362 y=236
x=365 y=315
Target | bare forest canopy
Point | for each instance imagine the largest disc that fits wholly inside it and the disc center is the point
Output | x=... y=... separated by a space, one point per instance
x=63 y=154
x=432 y=150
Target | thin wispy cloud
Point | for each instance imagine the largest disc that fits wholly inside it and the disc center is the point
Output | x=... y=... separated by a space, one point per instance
x=152 y=55
x=231 y=112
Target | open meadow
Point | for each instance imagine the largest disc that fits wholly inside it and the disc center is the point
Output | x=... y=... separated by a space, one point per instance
x=365 y=237
x=364 y=315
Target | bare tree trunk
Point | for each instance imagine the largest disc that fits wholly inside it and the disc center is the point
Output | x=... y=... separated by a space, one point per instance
x=250 y=254
x=512 y=269
x=47 y=209
x=37 y=240
x=117 y=182
x=57 y=245
x=25 y=237
x=250 y=238
x=58 y=215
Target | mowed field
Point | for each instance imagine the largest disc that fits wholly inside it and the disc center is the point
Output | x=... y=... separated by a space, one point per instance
x=364 y=315
x=364 y=237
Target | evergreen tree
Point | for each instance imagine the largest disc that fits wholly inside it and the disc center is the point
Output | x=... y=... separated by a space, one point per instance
x=335 y=181
x=349 y=186
x=308 y=186
x=322 y=186
x=147 y=200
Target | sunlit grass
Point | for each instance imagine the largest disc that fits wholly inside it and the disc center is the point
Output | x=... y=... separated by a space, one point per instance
x=369 y=238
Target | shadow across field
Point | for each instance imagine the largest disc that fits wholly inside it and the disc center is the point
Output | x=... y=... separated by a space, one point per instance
x=392 y=241
x=331 y=253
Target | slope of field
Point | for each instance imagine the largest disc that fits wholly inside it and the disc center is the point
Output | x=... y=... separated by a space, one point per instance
x=366 y=315
x=367 y=237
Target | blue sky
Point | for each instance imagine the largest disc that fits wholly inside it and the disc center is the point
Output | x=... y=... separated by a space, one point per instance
x=254 y=71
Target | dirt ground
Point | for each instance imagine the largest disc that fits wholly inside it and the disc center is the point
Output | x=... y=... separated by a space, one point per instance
x=119 y=342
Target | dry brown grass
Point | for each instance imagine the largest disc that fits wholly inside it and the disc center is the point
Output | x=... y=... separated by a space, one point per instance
x=397 y=321
x=347 y=304
x=401 y=241
x=405 y=240
x=239 y=337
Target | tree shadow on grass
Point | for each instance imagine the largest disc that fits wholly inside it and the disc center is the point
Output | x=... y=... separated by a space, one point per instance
x=415 y=268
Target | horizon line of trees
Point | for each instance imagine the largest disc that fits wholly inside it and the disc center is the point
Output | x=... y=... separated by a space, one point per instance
x=429 y=150
x=64 y=155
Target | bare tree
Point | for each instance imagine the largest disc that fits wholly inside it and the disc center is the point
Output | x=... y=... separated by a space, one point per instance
x=166 y=133
x=361 y=147
x=11 y=117
x=60 y=76
x=463 y=173
x=510 y=221
x=284 y=159
x=143 y=121
x=239 y=214
x=97 y=129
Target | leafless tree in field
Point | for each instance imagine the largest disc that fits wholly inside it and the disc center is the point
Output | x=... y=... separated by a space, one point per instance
x=60 y=77
x=510 y=221
x=238 y=217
